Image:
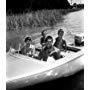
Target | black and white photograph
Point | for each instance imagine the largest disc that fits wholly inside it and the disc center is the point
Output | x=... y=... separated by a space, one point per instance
x=44 y=44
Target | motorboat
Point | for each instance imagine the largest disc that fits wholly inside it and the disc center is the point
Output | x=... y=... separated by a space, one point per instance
x=22 y=71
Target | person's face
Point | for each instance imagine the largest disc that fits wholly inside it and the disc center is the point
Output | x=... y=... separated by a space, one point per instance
x=49 y=43
x=28 y=42
x=44 y=33
x=60 y=34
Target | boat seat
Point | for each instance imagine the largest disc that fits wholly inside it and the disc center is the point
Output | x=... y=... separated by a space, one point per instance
x=73 y=49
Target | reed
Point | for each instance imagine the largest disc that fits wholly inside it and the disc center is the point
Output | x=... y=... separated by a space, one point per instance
x=35 y=19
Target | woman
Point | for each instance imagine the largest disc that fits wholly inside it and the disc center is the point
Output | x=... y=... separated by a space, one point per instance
x=29 y=48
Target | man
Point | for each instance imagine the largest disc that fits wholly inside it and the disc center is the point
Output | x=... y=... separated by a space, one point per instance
x=42 y=40
x=49 y=50
x=29 y=48
x=60 y=43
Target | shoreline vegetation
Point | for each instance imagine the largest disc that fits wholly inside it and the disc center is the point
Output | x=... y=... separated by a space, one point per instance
x=18 y=25
x=35 y=19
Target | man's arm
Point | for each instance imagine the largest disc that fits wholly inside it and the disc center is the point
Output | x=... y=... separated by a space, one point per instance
x=55 y=50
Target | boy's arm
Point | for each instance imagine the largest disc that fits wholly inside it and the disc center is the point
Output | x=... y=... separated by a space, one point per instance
x=55 y=50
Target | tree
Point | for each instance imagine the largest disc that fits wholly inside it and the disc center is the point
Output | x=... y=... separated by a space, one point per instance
x=21 y=5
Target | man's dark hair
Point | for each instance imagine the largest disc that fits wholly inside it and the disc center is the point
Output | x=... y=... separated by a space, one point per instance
x=27 y=38
x=48 y=37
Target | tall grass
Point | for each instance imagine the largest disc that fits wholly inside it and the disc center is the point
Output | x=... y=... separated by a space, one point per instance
x=32 y=19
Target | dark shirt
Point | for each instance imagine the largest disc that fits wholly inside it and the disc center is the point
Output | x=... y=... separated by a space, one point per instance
x=42 y=41
x=60 y=43
x=47 y=52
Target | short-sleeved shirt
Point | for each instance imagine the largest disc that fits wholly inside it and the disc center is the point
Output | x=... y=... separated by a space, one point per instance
x=30 y=50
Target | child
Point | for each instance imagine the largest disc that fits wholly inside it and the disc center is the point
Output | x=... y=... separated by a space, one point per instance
x=60 y=43
x=42 y=40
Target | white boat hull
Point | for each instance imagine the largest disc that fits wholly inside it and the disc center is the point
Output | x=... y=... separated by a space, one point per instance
x=23 y=71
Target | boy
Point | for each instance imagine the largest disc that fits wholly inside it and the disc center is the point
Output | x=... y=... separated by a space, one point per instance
x=42 y=40
x=60 y=43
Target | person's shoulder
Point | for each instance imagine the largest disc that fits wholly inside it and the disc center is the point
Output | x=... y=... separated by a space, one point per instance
x=41 y=40
x=56 y=39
